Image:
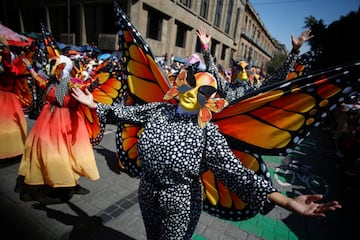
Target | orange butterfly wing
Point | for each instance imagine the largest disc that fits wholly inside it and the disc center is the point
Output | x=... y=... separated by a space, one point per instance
x=273 y=122
x=303 y=64
x=111 y=88
x=146 y=82
x=22 y=89
x=265 y=122
x=49 y=42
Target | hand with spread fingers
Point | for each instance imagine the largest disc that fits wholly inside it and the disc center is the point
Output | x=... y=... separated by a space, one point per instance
x=299 y=41
x=203 y=37
x=305 y=205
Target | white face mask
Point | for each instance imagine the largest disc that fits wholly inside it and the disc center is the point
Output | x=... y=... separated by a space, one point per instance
x=51 y=66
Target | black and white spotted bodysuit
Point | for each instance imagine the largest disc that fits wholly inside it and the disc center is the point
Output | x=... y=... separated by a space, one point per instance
x=171 y=149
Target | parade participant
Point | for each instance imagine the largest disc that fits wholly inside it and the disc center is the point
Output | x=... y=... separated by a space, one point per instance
x=58 y=150
x=178 y=142
x=239 y=73
x=13 y=126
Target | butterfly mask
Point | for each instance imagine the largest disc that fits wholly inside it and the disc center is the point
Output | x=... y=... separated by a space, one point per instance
x=197 y=92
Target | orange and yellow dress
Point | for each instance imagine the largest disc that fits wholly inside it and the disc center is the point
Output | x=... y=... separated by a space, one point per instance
x=58 y=149
x=13 y=127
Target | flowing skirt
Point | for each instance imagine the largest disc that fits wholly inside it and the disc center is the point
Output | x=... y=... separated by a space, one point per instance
x=13 y=126
x=58 y=150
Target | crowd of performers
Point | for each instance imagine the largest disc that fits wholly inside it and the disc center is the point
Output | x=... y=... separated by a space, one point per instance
x=57 y=150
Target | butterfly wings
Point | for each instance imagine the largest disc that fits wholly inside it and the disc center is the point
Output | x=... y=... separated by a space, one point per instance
x=269 y=121
x=50 y=45
x=21 y=86
x=303 y=64
x=273 y=122
x=146 y=82
x=111 y=88
x=145 y=78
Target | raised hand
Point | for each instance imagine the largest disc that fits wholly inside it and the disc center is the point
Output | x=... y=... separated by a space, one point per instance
x=299 y=41
x=204 y=39
x=84 y=97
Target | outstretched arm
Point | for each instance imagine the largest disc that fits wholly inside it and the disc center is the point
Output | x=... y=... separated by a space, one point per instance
x=9 y=67
x=224 y=87
x=40 y=81
x=304 y=204
x=281 y=73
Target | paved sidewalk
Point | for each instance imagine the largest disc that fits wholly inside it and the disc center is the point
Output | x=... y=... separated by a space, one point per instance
x=111 y=211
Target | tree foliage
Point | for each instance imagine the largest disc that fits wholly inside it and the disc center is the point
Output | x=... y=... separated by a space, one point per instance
x=338 y=41
x=275 y=63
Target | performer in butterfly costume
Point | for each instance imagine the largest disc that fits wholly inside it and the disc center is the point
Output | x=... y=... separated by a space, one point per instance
x=57 y=150
x=13 y=126
x=248 y=82
x=177 y=142
x=265 y=122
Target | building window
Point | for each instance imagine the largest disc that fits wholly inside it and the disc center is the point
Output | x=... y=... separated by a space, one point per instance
x=186 y=3
x=214 y=43
x=204 y=9
x=246 y=24
x=229 y=16
x=154 y=26
x=219 y=7
x=180 y=35
x=223 y=52
x=241 y=53
x=236 y=22
x=198 y=45
x=250 y=56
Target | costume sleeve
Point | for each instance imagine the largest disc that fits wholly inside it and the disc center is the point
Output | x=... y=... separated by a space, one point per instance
x=244 y=182
x=223 y=88
x=41 y=81
x=281 y=73
x=138 y=114
x=10 y=68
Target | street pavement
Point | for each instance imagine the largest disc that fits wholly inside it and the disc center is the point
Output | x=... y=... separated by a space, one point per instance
x=111 y=210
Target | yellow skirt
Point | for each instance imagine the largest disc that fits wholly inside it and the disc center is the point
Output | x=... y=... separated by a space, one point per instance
x=13 y=127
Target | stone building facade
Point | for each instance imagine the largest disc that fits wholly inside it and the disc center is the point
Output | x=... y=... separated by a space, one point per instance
x=167 y=25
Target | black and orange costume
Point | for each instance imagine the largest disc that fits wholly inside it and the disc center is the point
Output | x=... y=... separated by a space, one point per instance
x=175 y=147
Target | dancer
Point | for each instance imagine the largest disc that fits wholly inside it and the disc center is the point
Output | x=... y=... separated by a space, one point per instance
x=239 y=73
x=58 y=150
x=178 y=142
x=13 y=126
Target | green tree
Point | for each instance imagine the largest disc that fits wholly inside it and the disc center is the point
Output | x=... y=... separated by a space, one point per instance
x=318 y=29
x=338 y=41
x=275 y=63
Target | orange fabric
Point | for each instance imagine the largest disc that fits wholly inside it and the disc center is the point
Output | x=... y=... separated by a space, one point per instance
x=13 y=127
x=58 y=150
